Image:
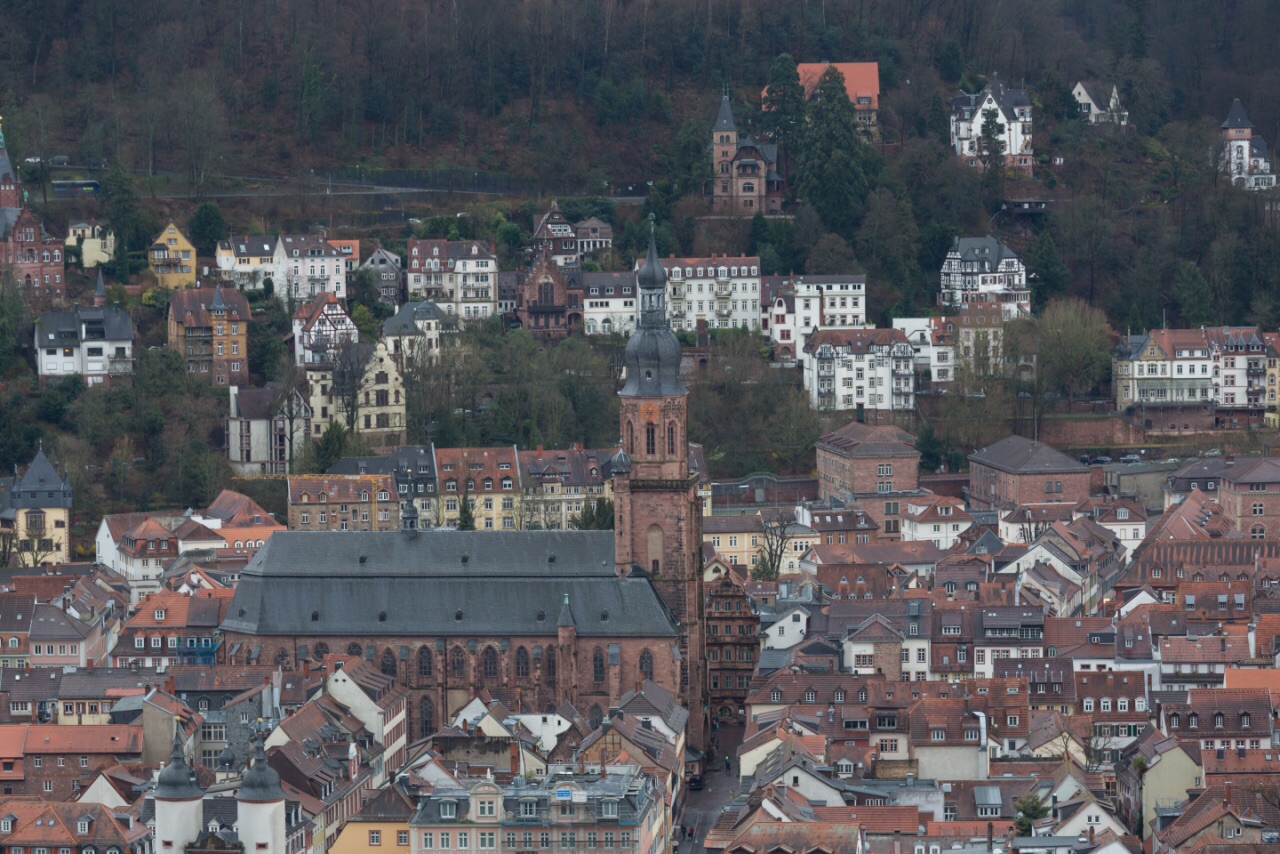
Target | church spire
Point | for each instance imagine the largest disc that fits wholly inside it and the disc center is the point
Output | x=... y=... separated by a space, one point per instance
x=652 y=358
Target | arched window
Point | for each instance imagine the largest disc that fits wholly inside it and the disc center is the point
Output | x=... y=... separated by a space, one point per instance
x=595 y=717
x=426 y=718
x=522 y=663
x=631 y=439
x=389 y=663
x=1218 y=721
x=650 y=439
x=489 y=663
x=646 y=664
x=550 y=665
x=321 y=650
x=1193 y=721
x=457 y=663
x=671 y=438
x=426 y=661
x=597 y=667
x=354 y=649
x=1246 y=720
x=1175 y=721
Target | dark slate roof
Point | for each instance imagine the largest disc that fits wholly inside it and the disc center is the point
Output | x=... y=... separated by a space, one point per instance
x=404 y=322
x=258 y=404
x=724 y=119
x=987 y=252
x=1236 y=117
x=58 y=327
x=1019 y=455
x=39 y=486
x=6 y=166
x=442 y=583
x=413 y=459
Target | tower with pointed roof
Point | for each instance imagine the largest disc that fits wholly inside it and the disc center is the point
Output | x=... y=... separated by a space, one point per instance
x=746 y=178
x=1244 y=156
x=179 y=802
x=657 y=512
x=34 y=257
x=35 y=512
x=260 y=804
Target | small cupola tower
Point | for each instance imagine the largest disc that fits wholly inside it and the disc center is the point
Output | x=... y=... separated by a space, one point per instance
x=179 y=802
x=260 y=802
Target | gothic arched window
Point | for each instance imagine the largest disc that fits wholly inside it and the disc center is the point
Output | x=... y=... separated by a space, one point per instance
x=354 y=649
x=457 y=663
x=646 y=664
x=671 y=438
x=320 y=651
x=426 y=661
x=650 y=439
x=522 y=663
x=489 y=663
x=426 y=718
x=389 y=663
x=631 y=439
x=551 y=662
x=597 y=667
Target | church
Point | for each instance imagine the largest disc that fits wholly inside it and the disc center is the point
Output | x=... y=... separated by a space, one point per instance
x=30 y=252
x=538 y=618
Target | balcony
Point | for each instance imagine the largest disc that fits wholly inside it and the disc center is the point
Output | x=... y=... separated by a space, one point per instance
x=541 y=816
x=724 y=288
x=722 y=310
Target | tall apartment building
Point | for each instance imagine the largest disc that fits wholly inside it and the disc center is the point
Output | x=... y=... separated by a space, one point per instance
x=722 y=290
x=870 y=370
x=460 y=276
x=209 y=327
x=984 y=269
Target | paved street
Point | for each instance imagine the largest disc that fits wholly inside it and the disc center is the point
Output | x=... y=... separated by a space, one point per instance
x=702 y=808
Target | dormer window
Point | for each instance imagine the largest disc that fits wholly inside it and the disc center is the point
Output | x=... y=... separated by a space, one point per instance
x=775 y=697
x=159 y=615
x=6 y=826
x=609 y=809
x=448 y=809
x=810 y=696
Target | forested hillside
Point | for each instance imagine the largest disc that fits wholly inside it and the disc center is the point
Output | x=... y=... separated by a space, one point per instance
x=595 y=93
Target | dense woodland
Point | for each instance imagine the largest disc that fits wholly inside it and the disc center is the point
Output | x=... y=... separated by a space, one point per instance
x=596 y=94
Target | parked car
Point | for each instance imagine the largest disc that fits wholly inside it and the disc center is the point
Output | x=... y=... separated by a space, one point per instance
x=1084 y=459
x=1101 y=461
x=695 y=783
x=33 y=161
x=1213 y=452
x=1173 y=461
x=61 y=160
x=1130 y=459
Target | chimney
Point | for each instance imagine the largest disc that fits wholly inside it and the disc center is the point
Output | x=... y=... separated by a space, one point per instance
x=1092 y=831
x=1055 y=808
x=515 y=757
x=990 y=831
x=464 y=725
x=639 y=686
x=897 y=841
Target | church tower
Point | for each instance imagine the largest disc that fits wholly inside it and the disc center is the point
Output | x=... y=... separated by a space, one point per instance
x=658 y=516
x=724 y=148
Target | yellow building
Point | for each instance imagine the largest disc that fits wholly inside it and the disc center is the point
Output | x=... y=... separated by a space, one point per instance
x=173 y=258
x=741 y=539
x=488 y=479
x=361 y=389
x=381 y=827
x=35 y=515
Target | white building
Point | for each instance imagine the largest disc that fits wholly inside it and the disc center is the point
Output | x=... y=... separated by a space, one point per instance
x=1099 y=103
x=460 y=276
x=1244 y=156
x=722 y=290
x=267 y=428
x=869 y=369
x=936 y=518
x=414 y=331
x=933 y=340
x=96 y=343
x=984 y=269
x=1222 y=365
x=320 y=327
x=307 y=266
x=1013 y=113
x=806 y=304
x=609 y=303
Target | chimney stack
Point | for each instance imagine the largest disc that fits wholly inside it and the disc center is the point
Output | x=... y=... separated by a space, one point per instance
x=990 y=831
